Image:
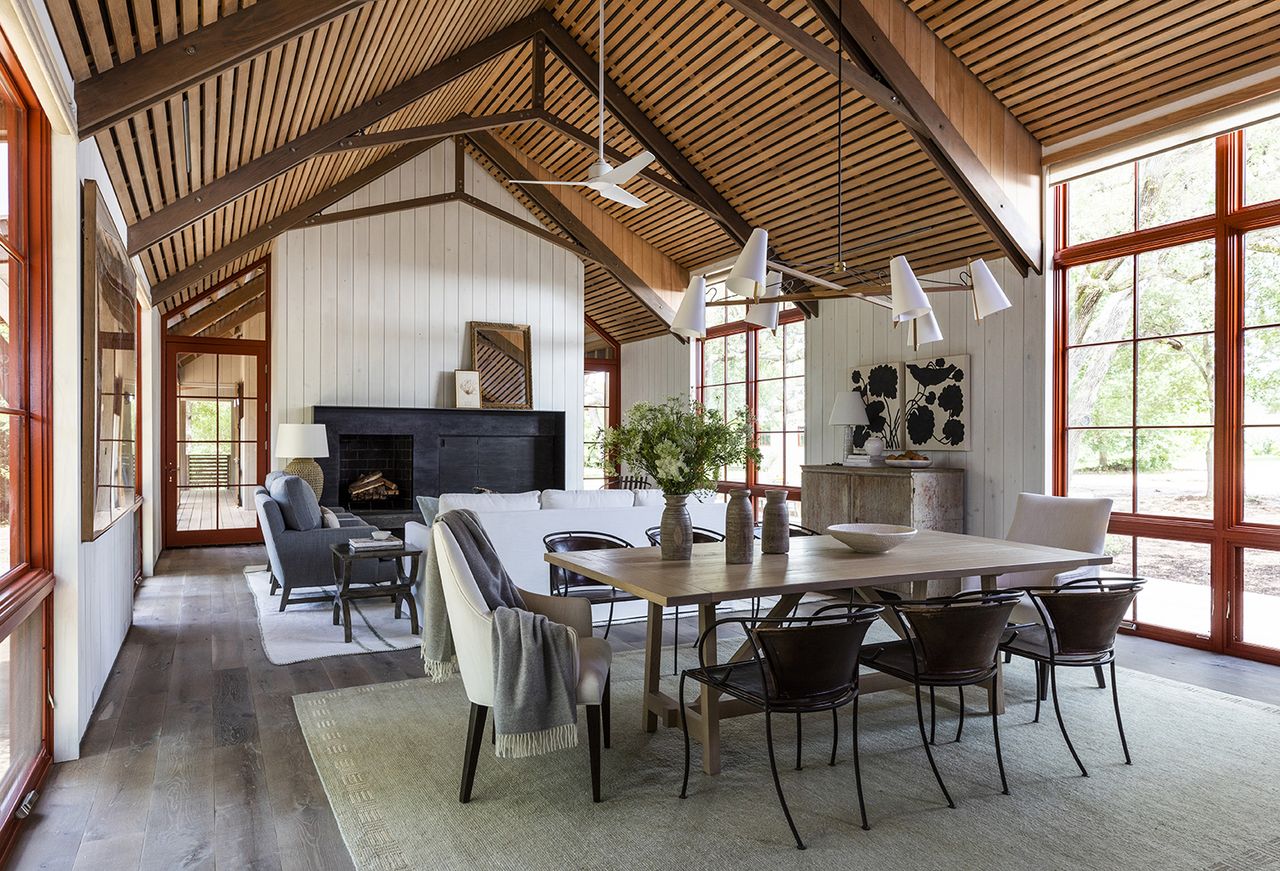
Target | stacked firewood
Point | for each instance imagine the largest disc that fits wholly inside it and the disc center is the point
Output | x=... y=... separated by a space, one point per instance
x=372 y=487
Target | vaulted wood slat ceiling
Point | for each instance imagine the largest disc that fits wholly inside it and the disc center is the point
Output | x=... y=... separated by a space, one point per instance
x=756 y=118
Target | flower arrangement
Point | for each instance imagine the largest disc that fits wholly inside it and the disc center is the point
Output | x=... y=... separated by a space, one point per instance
x=680 y=444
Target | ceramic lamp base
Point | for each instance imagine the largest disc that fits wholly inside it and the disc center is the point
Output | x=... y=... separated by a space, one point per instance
x=308 y=470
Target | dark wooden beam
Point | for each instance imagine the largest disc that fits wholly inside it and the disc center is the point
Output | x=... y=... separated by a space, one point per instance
x=219 y=308
x=197 y=272
x=128 y=88
x=535 y=229
x=507 y=163
x=200 y=202
x=457 y=125
x=227 y=325
x=259 y=264
x=380 y=209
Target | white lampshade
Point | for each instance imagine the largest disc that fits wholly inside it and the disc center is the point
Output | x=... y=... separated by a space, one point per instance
x=923 y=330
x=767 y=315
x=988 y=297
x=849 y=410
x=691 y=317
x=301 y=440
x=749 y=272
x=909 y=300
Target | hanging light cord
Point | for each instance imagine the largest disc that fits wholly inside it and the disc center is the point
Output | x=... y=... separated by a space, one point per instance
x=600 y=83
x=840 y=142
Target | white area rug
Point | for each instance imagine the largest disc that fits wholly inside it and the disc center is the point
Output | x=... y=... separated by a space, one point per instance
x=306 y=631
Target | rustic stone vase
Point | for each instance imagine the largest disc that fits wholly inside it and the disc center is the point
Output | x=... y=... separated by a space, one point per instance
x=677 y=528
x=775 y=537
x=739 y=529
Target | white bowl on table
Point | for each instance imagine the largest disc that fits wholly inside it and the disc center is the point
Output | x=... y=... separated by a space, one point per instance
x=380 y=535
x=870 y=537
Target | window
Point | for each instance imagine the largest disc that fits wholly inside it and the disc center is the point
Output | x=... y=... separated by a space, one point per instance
x=1167 y=380
x=25 y=460
x=743 y=366
x=599 y=404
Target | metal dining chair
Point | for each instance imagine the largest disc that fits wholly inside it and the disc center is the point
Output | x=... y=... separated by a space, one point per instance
x=567 y=583
x=798 y=665
x=952 y=641
x=701 y=535
x=1077 y=629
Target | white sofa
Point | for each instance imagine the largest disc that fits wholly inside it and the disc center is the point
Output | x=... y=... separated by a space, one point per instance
x=517 y=534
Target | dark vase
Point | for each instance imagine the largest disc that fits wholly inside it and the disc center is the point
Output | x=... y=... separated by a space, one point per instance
x=775 y=537
x=739 y=529
x=677 y=528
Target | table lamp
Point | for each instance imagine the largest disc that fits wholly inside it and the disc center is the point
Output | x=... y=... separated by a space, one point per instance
x=301 y=443
x=849 y=410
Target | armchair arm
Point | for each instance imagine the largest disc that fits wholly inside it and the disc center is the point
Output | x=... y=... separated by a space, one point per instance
x=305 y=556
x=572 y=612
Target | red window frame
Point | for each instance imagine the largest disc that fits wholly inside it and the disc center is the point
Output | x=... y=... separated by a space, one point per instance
x=611 y=365
x=1227 y=533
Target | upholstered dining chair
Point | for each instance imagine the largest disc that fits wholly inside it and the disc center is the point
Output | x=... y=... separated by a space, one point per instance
x=952 y=641
x=567 y=583
x=701 y=535
x=1077 y=629
x=798 y=665
x=470 y=621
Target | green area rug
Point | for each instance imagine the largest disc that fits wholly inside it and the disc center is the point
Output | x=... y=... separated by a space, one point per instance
x=1202 y=794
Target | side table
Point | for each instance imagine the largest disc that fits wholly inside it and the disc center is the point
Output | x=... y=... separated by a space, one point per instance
x=399 y=591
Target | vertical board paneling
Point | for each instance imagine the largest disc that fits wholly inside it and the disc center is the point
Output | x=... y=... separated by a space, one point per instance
x=655 y=369
x=374 y=312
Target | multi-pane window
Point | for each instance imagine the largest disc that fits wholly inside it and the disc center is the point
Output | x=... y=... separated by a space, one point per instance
x=599 y=405
x=1167 y=373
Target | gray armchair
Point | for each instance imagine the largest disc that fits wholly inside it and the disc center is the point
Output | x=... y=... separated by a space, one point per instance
x=301 y=557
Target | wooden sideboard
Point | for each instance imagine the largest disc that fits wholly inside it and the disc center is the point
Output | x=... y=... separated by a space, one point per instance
x=930 y=498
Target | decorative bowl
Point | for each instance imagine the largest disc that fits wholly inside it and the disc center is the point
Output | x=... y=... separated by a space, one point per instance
x=909 y=464
x=380 y=535
x=870 y=537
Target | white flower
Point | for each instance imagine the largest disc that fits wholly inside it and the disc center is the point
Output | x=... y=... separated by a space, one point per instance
x=669 y=461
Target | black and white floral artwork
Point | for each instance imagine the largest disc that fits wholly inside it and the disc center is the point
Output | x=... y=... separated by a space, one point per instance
x=881 y=387
x=935 y=403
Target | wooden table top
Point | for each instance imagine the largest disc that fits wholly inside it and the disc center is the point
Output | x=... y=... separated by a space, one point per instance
x=815 y=563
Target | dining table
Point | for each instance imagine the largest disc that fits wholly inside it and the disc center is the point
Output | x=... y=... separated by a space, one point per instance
x=814 y=564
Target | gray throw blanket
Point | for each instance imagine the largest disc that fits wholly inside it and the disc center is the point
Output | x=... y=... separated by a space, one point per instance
x=535 y=707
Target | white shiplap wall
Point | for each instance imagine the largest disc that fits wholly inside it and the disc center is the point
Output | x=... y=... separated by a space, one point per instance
x=374 y=312
x=655 y=369
x=1006 y=388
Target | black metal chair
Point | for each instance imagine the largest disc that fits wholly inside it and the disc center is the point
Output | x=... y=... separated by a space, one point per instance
x=567 y=583
x=798 y=665
x=952 y=641
x=1079 y=622
x=632 y=482
x=701 y=535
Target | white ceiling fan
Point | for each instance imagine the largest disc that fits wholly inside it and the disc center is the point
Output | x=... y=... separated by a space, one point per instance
x=603 y=177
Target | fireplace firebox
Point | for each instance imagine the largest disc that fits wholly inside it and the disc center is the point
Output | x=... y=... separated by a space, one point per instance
x=364 y=455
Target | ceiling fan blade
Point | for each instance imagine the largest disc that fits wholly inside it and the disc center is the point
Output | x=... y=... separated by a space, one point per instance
x=629 y=170
x=618 y=195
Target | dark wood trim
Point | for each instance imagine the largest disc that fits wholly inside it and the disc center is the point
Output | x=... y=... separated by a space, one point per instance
x=215 y=311
x=506 y=161
x=260 y=263
x=380 y=209
x=528 y=227
x=204 y=200
x=180 y=281
x=458 y=124
x=124 y=90
x=223 y=328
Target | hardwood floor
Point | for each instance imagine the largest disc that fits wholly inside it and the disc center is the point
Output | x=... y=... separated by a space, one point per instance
x=194 y=758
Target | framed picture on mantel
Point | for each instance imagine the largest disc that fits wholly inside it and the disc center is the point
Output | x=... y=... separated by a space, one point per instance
x=466 y=388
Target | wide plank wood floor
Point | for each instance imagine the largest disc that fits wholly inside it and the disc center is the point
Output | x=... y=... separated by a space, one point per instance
x=194 y=758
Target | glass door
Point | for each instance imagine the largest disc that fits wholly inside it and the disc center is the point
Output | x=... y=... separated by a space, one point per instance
x=217 y=451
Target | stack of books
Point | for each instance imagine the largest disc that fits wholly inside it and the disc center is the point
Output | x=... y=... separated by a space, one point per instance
x=390 y=543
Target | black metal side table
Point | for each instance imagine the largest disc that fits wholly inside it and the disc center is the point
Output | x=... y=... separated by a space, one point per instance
x=399 y=591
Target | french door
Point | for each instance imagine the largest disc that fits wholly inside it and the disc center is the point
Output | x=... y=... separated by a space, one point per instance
x=215 y=440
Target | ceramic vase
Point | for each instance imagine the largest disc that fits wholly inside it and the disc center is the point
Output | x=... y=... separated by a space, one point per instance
x=739 y=529
x=775 y=537
x=677 y=528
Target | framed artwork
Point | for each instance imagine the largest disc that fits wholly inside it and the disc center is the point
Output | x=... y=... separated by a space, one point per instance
x=935 y=403
x=466 y=388
x=109 y=381
x=881 y=387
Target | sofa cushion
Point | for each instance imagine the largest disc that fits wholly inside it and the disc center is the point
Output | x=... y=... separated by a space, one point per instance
x=297 y=502
x=649 y=497
x=587 y=499
x=489 y=501
x=328 y=519
x=430 y=507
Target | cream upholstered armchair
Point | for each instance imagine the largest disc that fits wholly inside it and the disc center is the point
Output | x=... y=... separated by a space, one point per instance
x=470 y=621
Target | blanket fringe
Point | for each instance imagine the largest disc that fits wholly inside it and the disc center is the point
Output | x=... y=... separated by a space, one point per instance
x=522 y=744
x=437 y=671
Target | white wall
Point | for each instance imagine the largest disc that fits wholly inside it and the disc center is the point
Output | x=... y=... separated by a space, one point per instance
x=654 y=369
x=374 y=312
x=1006 y=390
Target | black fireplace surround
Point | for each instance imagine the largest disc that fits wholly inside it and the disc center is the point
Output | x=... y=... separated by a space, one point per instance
x=453 y=450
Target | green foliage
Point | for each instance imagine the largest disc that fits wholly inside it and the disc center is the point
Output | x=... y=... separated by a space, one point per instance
x=679 y=444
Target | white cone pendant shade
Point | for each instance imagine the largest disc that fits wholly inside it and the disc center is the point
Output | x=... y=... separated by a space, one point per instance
x=767 y=315
x=924 y=330
x=849 y=410
x=691 y=317
x=909 y=300
x=748 y=275
x=988 y=297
